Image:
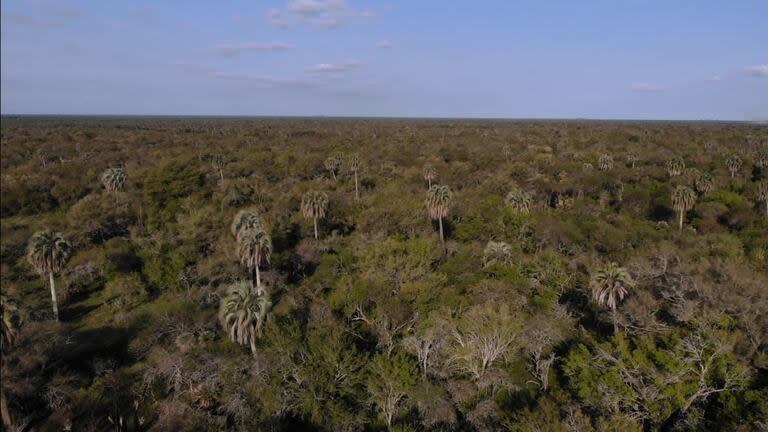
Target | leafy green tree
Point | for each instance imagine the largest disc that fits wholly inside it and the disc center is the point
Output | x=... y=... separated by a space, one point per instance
x=438 y=202
x=704 y=183
x=734 y=164
x=430 y=173
x=48 y=252
x=354 y=162
x=243 y=313
x=254 y=247
x=11 y=321
x=497 y=253
x=610 y=285
x=519 y=201
x=675 y=166
x=113 y=179
x=314 y=204
x=683 y=199
x=332 y=164
x=605 y=162
x=390 y=380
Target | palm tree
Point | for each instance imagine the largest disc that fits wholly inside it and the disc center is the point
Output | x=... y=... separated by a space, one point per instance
x=11 y=321
x=245 y=220
x=429 y=174
x=243 y=312
x=733 y=163
x=704 y=183
x=497 y=253
x=332 y=164
x=217 y=161
x=314 y=204
x=632 y=159
x=675 y=166
x=438 y=203
x=113 y=179
x=354 y=166
x=610 y=285
x=587 y=166
x=762 y=194
x=761 y=158
x=48 y=252
x=254 y=246
x=519 y=200
x=683 y=199
x=605 y=163
x=617 y=188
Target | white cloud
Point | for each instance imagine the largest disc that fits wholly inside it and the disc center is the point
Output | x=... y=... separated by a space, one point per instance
x=758 y=71
x=231 y=50
x=384 y=44
x=335 y=67
x=320 y=14
x=713 y=78
x=646 y=88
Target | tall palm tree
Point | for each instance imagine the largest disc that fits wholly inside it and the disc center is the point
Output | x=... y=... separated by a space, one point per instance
x=254 y=247
x=48 y=252
x=733 y=163
x=113 y=179
x=683 y=199
x=610 y=285
x=761 y=158
x=675 y=166
x=762 y=194
x=332 y=164
x=246 y=220
x=497 y=253
x=243 y=312
x=632 y=159
x=438 y=202
x=605 y=163
x=430 y=173
x=11 y=321
x=519 y=200
x=704 y=183
x=217 y=161
x=314 y=204
x=354 y=165
x=617 y=189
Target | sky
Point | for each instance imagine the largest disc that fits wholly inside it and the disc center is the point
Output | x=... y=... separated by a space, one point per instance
x=602 y=59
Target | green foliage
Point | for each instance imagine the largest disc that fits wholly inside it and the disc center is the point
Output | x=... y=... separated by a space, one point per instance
x=165 y=185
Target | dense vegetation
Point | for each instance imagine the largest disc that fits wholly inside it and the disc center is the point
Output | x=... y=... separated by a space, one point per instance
x=268 y=274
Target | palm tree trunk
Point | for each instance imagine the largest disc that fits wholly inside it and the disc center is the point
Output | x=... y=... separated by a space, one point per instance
x=53 y=297
x=5 y=413
x=333 y=173
x=221 y=176
x=613 y=318
x=258 y=279
x=357 y=191
x=315 y=222
x=429 y=183
x=681 y=219
x=442 y=237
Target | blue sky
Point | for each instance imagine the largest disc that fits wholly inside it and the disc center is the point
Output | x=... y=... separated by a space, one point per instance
x=641 y=59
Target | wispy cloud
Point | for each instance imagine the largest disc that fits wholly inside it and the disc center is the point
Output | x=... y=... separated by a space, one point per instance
x=320 y=14
x=646 y=88
x=207 y=71
x=232 y=50
x=336 y=67
x=713 y=78
x=758 y=70
x=384 y=44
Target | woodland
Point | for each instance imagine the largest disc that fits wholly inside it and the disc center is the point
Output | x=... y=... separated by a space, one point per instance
x=342 y=274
